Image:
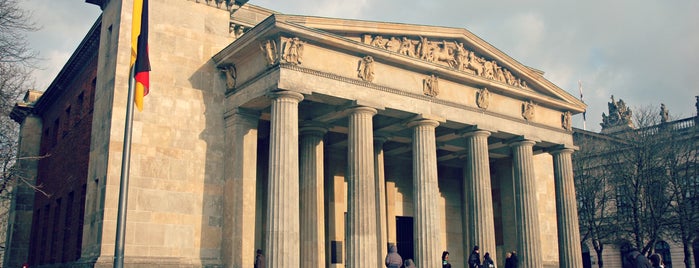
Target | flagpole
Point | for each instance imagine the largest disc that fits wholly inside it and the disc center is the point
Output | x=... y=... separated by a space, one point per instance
x=581 y=99
x=124 y=183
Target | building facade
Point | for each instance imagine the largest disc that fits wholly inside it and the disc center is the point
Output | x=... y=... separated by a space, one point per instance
x=320 y=141
x=638 y=188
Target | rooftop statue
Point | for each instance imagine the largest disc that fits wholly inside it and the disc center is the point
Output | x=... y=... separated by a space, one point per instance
x=619 y=115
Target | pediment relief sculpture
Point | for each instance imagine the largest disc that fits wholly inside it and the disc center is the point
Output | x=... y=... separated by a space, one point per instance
x=430 y=86
x=292 y=51
x=566 y=122
x=366 y=69
x=449 y=53
x=528 y=110
x=269 y=48
x=483 y=98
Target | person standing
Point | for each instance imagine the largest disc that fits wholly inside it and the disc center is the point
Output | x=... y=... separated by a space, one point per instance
x=511 y=260
x=656 y=260
x=445 y=260
x=259 y=259
x=487 y=261
x=635 y=259
x=409 y=263
x=393 y=259
x=474 y=261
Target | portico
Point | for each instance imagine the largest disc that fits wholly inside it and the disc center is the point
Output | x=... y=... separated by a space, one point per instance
x=333 y=135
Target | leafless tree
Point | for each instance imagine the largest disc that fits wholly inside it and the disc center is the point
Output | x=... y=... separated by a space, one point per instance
x=594 y=191
x=643 y=194
x=16 y=62
x=682 y=166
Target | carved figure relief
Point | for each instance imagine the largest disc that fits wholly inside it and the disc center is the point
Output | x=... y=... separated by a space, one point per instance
x=483 y=98
x=528 y=110
x=366 y=69
x=231 y=76
x=269 y=48
x=619 y=114
x=430 y=86
x=293 y=51
x=566 y=121
x=449 y=53
x=236 y=30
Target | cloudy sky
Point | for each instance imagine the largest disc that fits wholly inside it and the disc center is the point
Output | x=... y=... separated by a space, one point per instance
x=645 y=52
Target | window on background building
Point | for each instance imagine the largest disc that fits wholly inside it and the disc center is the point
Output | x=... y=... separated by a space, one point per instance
x=67 y=120
x=663 y=248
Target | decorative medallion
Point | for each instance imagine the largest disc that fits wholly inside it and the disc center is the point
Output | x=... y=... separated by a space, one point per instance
x=566 y=122
x=269 y=48
x=483 y=98
x=293 y=51
x=430 y=86
x=366 y=69
x=528 y=110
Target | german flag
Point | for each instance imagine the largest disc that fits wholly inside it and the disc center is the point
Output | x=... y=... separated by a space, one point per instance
x=140 y=64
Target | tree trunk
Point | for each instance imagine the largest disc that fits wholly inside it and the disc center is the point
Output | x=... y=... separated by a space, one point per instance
x=687 y=253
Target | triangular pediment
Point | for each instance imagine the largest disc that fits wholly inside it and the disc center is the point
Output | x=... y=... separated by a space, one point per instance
x=454 y=50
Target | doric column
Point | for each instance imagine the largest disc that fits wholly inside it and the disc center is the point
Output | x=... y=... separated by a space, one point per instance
x=240 y=188
x=312 y=196
x=478 y=193
x=282 y=237
x=566 y=209
x=19 y=220
x=381 y=221
x=426 y=194
x=361 y=187
x=526 y=211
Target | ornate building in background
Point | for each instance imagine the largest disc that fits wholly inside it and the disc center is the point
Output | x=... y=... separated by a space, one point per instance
x=320 y=141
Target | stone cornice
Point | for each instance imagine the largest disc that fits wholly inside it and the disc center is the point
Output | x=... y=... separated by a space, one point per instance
x=299 y=26
x=82 y=55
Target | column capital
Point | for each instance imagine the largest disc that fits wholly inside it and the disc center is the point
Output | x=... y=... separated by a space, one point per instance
x=362 y=109
x=519 y=141
x=313 y=128
x=422 y=122
x=279 y=94
x=562 y=148
x=380 y=138
x=474 y=133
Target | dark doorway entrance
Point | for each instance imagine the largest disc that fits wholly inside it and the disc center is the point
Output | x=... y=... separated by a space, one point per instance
x=404 y=237
x=587 y=261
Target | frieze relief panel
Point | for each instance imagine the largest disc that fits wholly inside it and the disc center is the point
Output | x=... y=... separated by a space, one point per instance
x=448 y=53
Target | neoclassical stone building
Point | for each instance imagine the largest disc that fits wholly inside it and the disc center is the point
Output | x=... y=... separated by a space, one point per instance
x=321 y=141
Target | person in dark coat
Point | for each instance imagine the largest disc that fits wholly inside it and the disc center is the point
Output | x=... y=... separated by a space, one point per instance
x=259 y=259
x=409 y=263
x=656 y=260
x=635 y=259
x=393 y=259
x=474 y=261
x=445 y=260
x=487 y=261
x=511 y=260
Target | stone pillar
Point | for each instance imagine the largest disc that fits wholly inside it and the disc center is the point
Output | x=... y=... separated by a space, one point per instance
x=361 y=188
x=569 y=249
x=312 y=196
x=238 y=243
x=282 y=236
x=427 y=233
x=478 y=194
x=19 y=220
x=381 y=220
x=526 y=210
